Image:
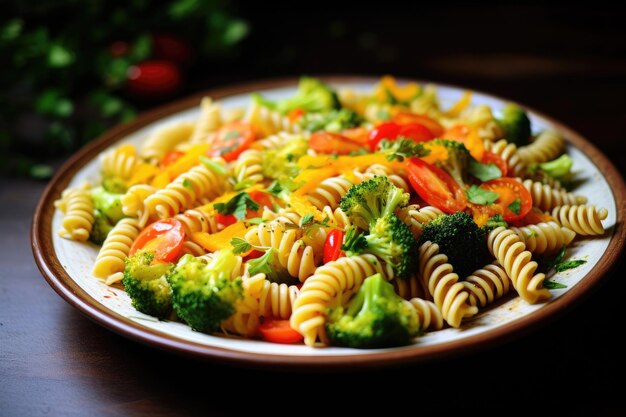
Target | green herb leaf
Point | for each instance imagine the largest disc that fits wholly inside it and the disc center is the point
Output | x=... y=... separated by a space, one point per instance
x=274 y=188
x=213 y=166
x=255 y=220
x=306 y=219
x=477 y=195
x=235 y=31
x=240 y=245
x=552 y=285
x=516 y=206
x=59 y=56
x=494 y=222
x=237 y=206
x=187 y=184
x=483 y=172
x=402 y=148
x=564 y=266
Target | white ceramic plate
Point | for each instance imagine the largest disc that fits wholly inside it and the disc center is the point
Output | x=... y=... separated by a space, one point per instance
x=67 y=264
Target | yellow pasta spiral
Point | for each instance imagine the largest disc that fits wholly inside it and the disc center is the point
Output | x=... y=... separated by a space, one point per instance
x=547 y=146
x=331 y=285
x=336 y=217
x=546 y=197
x=188 y=188
x=109 y=264
x=582 y=219
x=268 y=122
x=209 y=121
x=299 y=258
x=408 y=288
x=428 y=314
x=165 y=139
x=133 y=202
x=487 y=284
x=274 y=300
x=508 y=152
x=544 y=238
x=277 y=140
x=77 y=206
x=198 y=220
x=509 y=249
x=443 y=285
x=248 y=167
x=329 y=192
x=416 y=217
x=119 y=162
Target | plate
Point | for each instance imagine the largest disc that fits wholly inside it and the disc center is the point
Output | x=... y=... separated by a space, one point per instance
x=66 y=265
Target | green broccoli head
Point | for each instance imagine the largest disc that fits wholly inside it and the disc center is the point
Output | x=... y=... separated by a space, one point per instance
x=146 y=284
x=392 y=241
x=460 y=238
x=515 y=124
x=313 y=96
x=333 y=121
x=283 y=162
x=376 y=317
x=100 y=228
x=370 y=200
x=269 y=265
x=203 y=294
x=114 y=185
x=458 y=161
x=108 y=203
x=559 y=168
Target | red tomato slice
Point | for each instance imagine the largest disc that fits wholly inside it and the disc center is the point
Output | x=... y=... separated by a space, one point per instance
x=492 y=158
x=170 y=157
x=332 y=143
x=404 y=117
x=163 y=238
x=435 y=186
x=231 y=140
x=263 y=199
x=509 y=190
x=358 y=135
x=391 y=131
x=332 y=246
x=279 y=331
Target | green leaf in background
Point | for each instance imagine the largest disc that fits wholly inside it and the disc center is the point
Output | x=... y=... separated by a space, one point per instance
x=59 y=56
x=41 y=171
x=235 y=31
x=183 y=8
x=51 y=102
x=142 y=48
x=11 y=30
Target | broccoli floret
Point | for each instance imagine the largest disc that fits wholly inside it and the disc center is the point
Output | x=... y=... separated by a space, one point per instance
x=376 y=317
x=370 y=200
x=515 y=124
x=283 y=162
x=333 y=121
x=146 y=284
x=114 y=185
x=390 y=240
x=269 y=265
x=402 y=148
x=203 y=294
x=312 y=96
x=560 y=168
x=109 y=203
x=460 y=238
x=494 y=222
x=100 y=229
x=457 y=162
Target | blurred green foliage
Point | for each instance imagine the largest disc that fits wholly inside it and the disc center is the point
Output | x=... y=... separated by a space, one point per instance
x=62 y=83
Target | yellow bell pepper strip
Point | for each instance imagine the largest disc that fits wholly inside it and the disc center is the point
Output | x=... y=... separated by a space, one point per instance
x=389 y=86
x=182 y=165
x=302 y=206
x=220 y=240
x=460 y=105
x=143 y=174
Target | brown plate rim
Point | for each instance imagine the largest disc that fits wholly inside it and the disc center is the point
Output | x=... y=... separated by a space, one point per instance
x=68 y=289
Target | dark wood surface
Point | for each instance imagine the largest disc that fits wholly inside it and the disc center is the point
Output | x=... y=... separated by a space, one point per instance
x=54 y=361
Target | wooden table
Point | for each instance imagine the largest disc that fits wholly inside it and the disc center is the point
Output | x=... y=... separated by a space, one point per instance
x=54 y=361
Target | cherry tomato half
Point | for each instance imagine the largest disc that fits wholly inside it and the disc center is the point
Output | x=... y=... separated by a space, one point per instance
x=392 y=130
x=279 y=331
x=404 y=117
x=332 y=143
x=332 y=246
x=492 y=158
x=231 y=140
x=435 y=186
x=509 y=190
x=163 y=238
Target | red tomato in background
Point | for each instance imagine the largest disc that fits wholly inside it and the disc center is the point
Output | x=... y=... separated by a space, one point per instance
x=169 y=47
x=153 y=79
x=404 y=117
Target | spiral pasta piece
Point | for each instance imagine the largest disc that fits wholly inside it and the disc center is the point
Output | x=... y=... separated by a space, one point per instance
x=582 y=219
x=268 y=122
x=198 y=220
x=547 y=146
x=192 y=248
x=133 y=202
x=546 y=198
x=332 y=283
x=508 y=152
x=427 y=102
x=209 y=121
x=165 y=139
x=188 y=188
x=336 y=217
x=329 y=192
x=487 y=284
x=509 y=249
x=277 y=140
x=481 y=118
x=544 y=238
x=109 y=263
x=274 y=299
x=428 y=314
x=248 y=167
x=443 y=285
x=408 y=288
x=298 y=258
x=77 y=206
x=119 y=162
x=416 y=217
